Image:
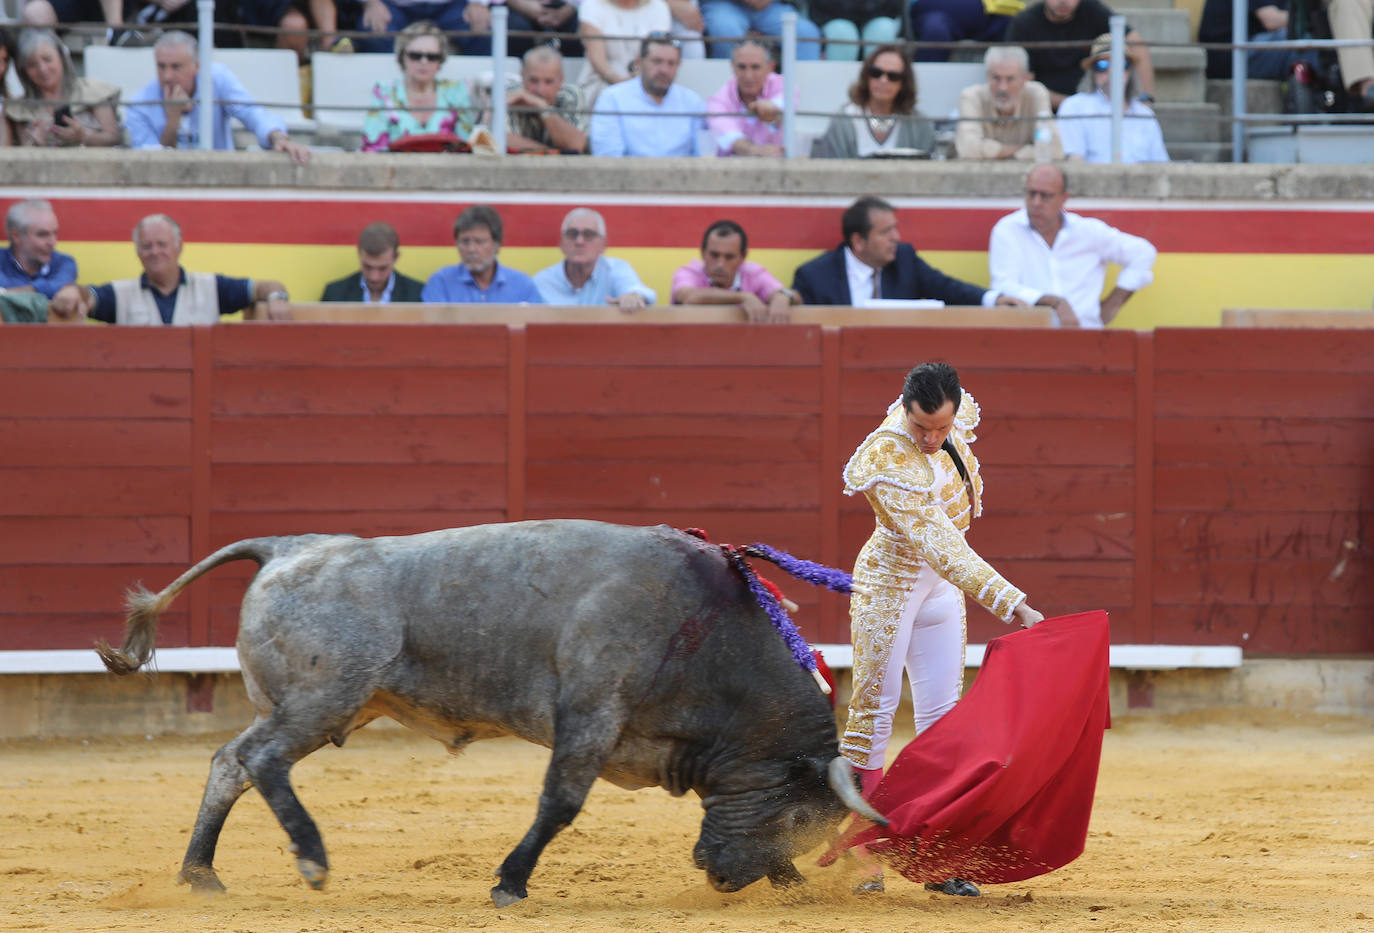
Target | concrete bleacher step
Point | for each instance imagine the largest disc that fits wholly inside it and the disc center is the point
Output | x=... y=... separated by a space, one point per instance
x=1190 y=122
x=1180 y=73
x=1260 y=96
x=1193 y=151
x=1159 y=24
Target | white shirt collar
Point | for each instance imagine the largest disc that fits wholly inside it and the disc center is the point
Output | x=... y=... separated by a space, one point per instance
x=860 y=275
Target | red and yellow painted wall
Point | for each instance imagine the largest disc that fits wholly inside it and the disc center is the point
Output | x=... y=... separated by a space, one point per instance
x=1213 y=255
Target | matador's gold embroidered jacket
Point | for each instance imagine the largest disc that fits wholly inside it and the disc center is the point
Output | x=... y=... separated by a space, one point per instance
x=922 y=512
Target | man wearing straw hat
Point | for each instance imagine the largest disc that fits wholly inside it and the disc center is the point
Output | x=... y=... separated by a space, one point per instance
x=1085 y=119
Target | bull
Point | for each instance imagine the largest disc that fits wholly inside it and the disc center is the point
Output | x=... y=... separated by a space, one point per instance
x=634 y=654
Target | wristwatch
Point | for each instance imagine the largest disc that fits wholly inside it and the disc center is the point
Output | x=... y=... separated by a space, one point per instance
x=278 y=296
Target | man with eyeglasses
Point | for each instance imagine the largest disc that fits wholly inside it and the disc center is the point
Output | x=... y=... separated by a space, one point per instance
x=479 y=278
x=649 y=115
x=1048 y=256
x=1063 y=20
x=585 y=276
x=1085 y=119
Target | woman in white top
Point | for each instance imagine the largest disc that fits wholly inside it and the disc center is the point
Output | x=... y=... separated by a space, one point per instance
x=881 y=114
x=1085 y=121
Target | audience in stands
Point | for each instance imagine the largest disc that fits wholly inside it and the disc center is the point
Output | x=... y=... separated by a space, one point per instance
x=1063 y=20
x=472 y=17
x=873 y=264
x=6 y=54
x=125 y=18
x=1267 y=22
x=1047 y=256
x=377 y=280
x=728 y=20
x=723 y=276
x=547 y=17
x=295 y=17
x=545 y=113
x=479 y=278
x=1354 y=19
x=166 y=113
x=418 y=103
x=745 y=115
x=881 y=114
x=844 y=23
x=32 y=262
x=957 y=20
x=1085 y=122
x=649 y=115
x=628 y=22
x=29 y=307
x=58 y=107
x=997 y=120
x=168 y=294
x=585 y=276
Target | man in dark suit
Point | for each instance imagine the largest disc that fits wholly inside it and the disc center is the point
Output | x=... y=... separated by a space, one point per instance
x=874 y=263
x=377 y=281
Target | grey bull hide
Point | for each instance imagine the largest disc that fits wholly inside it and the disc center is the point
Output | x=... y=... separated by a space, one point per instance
x=635 y=654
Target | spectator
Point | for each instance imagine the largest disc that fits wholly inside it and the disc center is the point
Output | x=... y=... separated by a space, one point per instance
x=723 y=276
x=881 y=114
x=1267 y=22
x=585 y=276
x=611 y=61
x=472 y=17
x=953 y=21
x=545 y=113
x=32 y=262
x=745 y=115
x=296 y=17
x=1354 y=19
x=650 y=115
x=1085 y=119
x=844 y=22
x=479 y=278
x=418 y=102
x=547 y=17
x=872 y=263
x=126 y=17
x=729 y=20
x=30 y=307
x=168 y=294
x=6 y=54
x=377 y=281
x=1062 y=20
x=166 y=113
x=1047 y=256
x=997 y=120
x=58 y=108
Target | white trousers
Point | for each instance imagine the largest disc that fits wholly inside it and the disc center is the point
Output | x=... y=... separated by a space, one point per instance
x=929 y=646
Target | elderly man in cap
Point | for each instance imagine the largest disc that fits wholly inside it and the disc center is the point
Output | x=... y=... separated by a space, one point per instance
x=1085 y=119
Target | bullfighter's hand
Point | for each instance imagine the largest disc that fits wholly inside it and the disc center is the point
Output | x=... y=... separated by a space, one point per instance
x=1026 y=616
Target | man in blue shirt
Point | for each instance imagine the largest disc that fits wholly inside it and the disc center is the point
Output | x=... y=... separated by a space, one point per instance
x=166 y=113
x=32 y=262
x=649 y=115
x=585 y=277
x=479 y=278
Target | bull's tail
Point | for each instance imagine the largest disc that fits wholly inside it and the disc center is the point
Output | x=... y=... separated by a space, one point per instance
x=140 y=627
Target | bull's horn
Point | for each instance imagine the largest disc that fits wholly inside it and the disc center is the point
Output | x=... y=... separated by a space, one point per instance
x=841 y=779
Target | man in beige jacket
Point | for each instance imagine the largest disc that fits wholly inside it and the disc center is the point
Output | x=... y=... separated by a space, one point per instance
x=997 y=120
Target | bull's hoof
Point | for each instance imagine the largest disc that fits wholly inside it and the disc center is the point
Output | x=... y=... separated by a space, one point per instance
x=957 y=887
x=504 y=897
x=786 y=876
x=313 y=872
x=202 y=880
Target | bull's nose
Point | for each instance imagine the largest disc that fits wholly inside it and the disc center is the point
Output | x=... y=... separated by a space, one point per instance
x=722 y=884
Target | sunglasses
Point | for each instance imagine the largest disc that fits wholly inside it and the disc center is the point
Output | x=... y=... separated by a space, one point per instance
x=1103 y=65
x=572 y=233
x=895 y=77
x=435 y=57
x=659 y=37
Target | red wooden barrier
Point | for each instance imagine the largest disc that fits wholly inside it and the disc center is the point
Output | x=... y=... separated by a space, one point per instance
x=128 y=454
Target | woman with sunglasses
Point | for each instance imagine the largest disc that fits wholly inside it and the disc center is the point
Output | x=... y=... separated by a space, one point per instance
x=1085 y=119
x=419 y=102
x=881 y=115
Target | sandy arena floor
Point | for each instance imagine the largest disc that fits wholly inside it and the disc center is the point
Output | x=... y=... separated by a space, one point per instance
x=1240 y=822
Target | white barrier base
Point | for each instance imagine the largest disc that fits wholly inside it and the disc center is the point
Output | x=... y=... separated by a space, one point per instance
x=838 y=657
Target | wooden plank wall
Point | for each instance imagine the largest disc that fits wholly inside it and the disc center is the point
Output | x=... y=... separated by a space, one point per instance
x=129 y=454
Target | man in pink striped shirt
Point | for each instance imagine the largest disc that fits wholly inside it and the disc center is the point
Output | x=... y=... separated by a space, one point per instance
x=745 y=116
x=722 y=276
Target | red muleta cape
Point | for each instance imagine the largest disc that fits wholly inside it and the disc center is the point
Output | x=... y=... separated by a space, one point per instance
x=1000 y=789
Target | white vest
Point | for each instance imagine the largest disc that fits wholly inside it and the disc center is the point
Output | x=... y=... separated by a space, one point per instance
x=197 y=302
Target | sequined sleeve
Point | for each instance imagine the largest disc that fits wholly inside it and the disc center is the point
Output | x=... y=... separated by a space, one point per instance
x=933 y=537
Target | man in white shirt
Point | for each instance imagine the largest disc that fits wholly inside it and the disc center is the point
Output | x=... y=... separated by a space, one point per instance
x=1047 y=256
